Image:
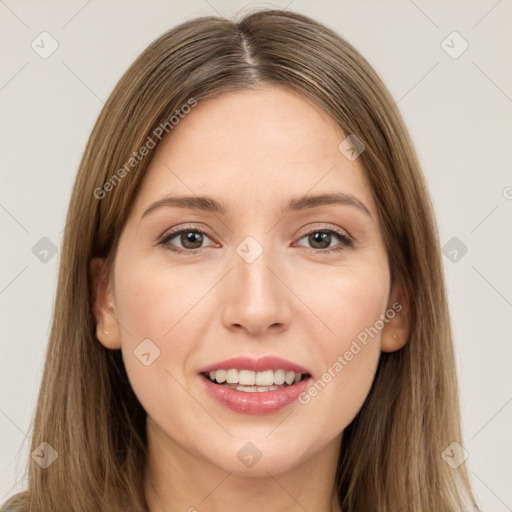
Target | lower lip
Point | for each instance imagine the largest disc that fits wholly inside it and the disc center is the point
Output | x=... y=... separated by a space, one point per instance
x=258 y=402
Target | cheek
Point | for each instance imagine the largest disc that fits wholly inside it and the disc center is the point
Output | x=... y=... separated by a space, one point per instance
x=165 y=311
x=158 y=327
x=157 y=302
x=343 y=303
x=347 y=343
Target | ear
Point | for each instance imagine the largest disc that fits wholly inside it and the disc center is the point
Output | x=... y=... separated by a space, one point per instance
x=107 y=327
x=397 y=329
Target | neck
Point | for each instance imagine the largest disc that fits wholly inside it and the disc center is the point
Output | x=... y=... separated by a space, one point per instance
x=177 y=480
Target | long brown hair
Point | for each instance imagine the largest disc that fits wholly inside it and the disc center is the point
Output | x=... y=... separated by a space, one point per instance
x=391 y=456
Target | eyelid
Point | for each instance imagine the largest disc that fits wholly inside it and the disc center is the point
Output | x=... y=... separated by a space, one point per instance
x=184 y=227
x=328 y=227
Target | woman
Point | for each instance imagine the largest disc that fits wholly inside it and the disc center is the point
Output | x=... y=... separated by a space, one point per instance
x=251 y=310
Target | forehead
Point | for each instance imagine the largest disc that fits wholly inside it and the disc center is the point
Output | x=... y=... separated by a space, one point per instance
x=262 y=145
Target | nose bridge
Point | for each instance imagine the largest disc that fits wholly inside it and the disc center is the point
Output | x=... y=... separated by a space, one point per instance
x=256 y=299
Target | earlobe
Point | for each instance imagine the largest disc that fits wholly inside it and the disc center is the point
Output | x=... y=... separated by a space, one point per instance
x=107 y=330
x=393 y=342
x=397 y=329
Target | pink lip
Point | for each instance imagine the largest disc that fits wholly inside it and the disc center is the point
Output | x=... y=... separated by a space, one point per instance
x=256 y=365
x=257 y=403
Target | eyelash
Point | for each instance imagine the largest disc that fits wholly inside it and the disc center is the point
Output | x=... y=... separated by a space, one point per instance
x=346 y=241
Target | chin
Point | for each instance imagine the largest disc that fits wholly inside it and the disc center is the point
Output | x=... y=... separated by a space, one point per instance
x=253 y=454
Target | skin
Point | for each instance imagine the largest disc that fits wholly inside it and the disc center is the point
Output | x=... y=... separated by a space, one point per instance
x=254 y=150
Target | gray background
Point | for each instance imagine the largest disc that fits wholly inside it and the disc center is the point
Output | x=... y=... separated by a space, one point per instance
x=458 y=111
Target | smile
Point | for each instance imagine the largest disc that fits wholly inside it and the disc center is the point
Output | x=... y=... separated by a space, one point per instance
x=255 y=386
x=250 y=381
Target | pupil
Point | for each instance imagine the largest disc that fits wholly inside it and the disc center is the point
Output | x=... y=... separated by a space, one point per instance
x=191 y=240
x=320 y=238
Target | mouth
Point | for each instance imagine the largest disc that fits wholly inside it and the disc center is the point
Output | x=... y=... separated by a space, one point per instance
x=249 y=381
x=255 y=386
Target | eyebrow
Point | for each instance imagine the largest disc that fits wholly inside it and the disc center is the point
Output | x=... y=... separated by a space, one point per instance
x=208 y=204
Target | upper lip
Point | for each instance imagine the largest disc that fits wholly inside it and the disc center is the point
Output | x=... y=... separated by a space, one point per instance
x=257 y=365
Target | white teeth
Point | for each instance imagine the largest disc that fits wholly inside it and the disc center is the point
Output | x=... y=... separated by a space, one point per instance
x=279 y=377
x=251 y=381
x=232 y=376
x=247 y=389
x=255 y=389
x=247 y=377
x=289 y=377
x=265 y=378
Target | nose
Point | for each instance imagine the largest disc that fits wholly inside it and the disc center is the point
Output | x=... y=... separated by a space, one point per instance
x=257 y=298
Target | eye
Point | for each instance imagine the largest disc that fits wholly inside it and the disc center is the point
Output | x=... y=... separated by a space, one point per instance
x=190 y=240
x=320 y=240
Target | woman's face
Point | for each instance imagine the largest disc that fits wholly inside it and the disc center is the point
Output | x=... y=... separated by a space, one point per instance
x=260 y=270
